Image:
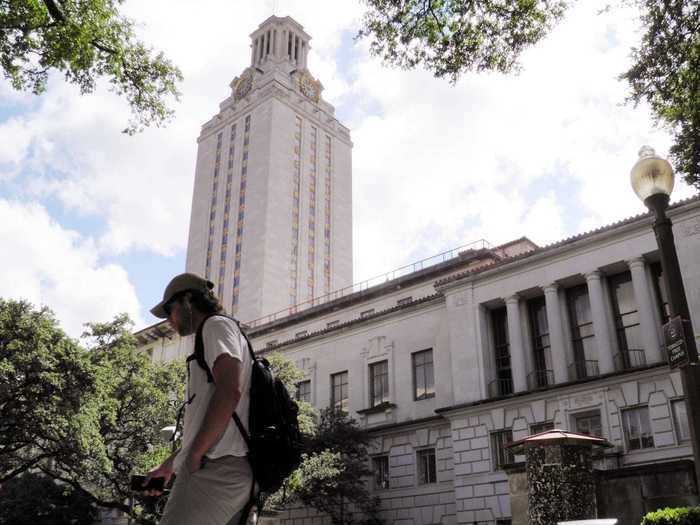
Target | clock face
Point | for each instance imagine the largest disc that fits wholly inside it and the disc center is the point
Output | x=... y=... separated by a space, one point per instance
x=309 y=87
x=244 y=84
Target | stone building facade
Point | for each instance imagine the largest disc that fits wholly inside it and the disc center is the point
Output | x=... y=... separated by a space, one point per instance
x=449 y=363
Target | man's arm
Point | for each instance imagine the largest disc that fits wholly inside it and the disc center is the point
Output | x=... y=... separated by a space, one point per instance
x=227 y=394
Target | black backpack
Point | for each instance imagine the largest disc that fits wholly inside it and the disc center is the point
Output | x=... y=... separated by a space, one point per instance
x=274 y=442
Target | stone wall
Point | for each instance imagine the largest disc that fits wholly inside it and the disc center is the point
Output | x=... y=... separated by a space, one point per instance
x=629 y=493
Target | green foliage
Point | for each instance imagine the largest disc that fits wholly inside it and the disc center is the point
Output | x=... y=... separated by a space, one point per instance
x=290 y=375
x=666 y=74
x=39 y=362
x=451 y=37
x=332 y=477
x=102 y=406
x=673 y=516
x=35 y=499
x=285 y=371
x=86 y=40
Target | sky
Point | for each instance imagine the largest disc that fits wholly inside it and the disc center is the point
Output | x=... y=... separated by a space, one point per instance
x=94 y=222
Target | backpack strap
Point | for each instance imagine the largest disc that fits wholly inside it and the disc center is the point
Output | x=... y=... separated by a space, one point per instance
x=198 y=354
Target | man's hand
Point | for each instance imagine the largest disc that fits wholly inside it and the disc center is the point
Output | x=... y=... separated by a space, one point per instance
x=165 y=470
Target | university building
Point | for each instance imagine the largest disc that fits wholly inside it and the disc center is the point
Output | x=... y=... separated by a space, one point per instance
x=452 y=358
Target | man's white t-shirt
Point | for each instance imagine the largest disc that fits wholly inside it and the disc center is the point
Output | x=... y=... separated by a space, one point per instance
x=221 y=336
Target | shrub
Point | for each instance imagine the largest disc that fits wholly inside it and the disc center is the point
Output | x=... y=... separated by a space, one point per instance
x=675 y=516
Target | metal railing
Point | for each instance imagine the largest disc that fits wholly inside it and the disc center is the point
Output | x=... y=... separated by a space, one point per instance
x=481 y=244
x=540 y=379
x=500 y=387
x=583 y=369
x=631 y=358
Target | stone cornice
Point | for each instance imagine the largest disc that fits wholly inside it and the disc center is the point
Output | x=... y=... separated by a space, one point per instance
x=566 y=245
x=613 y=378
x=275 y=89
x=423 y=301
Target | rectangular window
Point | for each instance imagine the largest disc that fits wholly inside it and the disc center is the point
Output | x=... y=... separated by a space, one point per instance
x=637 y=426
x=504 y=377
x=380 y=467
x=627 y=330
x=378 y=383
x=427 y=471
x=339 y=391
x=680 y=419
x=367 y=313
x=538 y=428
x=303 y=333
x=303 y=392
x=332 y=324
x=588 y=423
x=423 y=375
x=541 y=376
x=501 y=455
x=582 y=336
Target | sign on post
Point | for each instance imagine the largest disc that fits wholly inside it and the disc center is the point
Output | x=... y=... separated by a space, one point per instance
x=674 y=337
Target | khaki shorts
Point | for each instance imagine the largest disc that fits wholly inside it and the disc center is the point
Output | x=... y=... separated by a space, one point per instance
x=214 y=495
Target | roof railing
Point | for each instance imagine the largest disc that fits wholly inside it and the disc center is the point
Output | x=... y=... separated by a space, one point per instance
x=408 y=269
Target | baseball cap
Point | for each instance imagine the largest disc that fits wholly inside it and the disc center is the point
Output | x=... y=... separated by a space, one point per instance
x=181 y=283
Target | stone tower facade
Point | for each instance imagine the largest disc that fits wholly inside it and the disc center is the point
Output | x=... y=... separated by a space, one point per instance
x=271 y=221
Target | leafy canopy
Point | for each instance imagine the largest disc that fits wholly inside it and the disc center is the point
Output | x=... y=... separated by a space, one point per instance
x=86 y=40
x=102 y=405
x=452 y=37
x=332 y=477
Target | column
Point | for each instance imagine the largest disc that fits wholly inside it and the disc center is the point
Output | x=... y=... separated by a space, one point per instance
x=556 y=333
x=600 y=323
x=515 y=341
x=647 y=321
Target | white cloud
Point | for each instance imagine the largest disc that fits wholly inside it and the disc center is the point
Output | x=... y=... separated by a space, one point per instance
x=544 y=154
x=49 y=265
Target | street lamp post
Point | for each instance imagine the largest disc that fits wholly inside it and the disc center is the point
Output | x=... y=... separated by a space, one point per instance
x=652 y=181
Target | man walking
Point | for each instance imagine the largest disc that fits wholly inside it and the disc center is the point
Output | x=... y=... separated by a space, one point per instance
x=214 y=478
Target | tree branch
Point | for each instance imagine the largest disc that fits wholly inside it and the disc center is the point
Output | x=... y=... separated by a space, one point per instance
x=100 y=502
x=54 y=11
x=23 y=468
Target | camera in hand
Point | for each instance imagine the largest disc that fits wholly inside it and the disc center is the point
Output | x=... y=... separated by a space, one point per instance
x=153 y=484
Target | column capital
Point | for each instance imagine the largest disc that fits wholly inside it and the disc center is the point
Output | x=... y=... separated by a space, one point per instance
x=512 y=299
x=551 y=287
x=593 y=275
x=638 y=261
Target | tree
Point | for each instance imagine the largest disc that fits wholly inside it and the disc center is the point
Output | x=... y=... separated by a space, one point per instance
x=452 y=37
x=86 y=417
x=86 y=40
x=133 y=400
x=666 y=74
x=333 y=475
x=35 y=499
x=44 y=377
x=290 y=375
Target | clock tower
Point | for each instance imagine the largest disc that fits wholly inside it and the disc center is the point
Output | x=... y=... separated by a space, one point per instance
x=271 y=221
